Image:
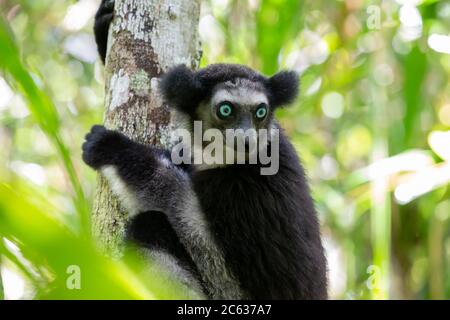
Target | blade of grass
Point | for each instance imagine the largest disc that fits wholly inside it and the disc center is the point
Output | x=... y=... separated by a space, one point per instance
x=24 y=269
x=380 y=212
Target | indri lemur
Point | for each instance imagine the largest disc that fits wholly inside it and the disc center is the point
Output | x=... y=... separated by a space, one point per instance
x=231 y=232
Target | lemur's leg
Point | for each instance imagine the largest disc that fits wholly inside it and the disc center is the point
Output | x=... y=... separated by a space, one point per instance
x=102 y=22
x=145 y=179
x=151 y=234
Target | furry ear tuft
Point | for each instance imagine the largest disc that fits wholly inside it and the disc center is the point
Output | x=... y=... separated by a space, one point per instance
x=283 y=88
x=180 y=88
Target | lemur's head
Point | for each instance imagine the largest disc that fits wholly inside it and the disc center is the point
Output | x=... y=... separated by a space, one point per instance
x=228 y=96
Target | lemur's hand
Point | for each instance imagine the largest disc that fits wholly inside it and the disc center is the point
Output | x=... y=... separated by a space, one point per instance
x=102 y=146
x=103 y=19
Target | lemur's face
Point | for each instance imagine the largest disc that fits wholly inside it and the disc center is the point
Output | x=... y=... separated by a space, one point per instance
x=229 y=98
x=238 y=105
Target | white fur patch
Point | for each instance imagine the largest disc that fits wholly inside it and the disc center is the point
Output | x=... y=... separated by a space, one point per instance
x=165 y=162
x=240 y=95
x=170 y=265
x=121 y=190
x=195 y=234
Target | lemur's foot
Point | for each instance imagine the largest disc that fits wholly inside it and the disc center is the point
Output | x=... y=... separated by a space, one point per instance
x=101 y=146
x=103 y=20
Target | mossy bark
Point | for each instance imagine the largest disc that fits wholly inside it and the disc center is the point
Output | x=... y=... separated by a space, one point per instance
x=146 y=38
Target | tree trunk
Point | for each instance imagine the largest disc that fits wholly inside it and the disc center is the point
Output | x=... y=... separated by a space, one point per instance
x=146 y=38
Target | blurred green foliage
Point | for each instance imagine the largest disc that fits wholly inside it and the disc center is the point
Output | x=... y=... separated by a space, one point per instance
x=372 y=127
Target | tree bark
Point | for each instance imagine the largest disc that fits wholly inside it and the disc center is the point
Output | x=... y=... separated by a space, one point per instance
x=146 y=38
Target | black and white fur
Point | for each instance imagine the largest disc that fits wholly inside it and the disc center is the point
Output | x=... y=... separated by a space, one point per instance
x=230 y=232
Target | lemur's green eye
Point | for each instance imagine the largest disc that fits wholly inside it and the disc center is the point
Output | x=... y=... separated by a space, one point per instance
x=225 y=110
x=261 y=111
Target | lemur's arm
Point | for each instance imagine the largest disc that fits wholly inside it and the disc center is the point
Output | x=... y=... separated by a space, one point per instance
x=144 y=179
x=102 y=22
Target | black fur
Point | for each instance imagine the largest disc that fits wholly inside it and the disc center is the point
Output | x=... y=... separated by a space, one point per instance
x=283 y=88
x=102 y=22
x=100 y=145
x=267 y=227
x=185 y=89
x=181 y=88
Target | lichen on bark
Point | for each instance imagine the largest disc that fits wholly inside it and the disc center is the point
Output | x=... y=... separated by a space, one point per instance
x=146 y=38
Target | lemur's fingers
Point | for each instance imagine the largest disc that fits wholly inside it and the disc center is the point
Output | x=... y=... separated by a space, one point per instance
x=101 y=146
x=103 y=20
